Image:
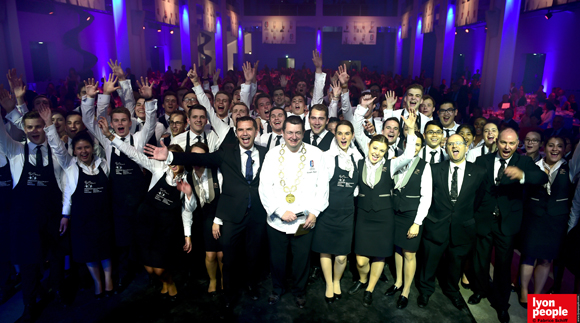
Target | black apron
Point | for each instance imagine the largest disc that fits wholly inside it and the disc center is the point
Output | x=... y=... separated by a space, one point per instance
x=335 y=226
x=35 y=213
x=6 y=193
x=159 y=225
x=91 y=225
x=128 y=186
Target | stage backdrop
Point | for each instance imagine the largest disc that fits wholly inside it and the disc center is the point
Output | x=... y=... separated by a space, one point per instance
x=279 y=31
x=466 y=12
x=167 y=11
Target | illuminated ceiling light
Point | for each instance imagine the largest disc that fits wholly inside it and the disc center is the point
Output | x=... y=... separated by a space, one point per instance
x=286 y=56
x=467 y=30
x=43 y=43
x=143 y=27
x=50 y=13
x=455 y=33
x=88 y=18
x=158 y=30
x=171 y=32
x=250 y=53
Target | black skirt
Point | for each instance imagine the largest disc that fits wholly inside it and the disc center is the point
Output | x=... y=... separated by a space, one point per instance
x=404 y=221
x=332 y=234
x=210 y=243
x=543 y=236
x=373 y=236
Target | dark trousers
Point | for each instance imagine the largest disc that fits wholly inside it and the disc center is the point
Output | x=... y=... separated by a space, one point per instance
x=300 y=248
x=252 y=232
x=31 y=275
x=498 y=293
x=450 y=270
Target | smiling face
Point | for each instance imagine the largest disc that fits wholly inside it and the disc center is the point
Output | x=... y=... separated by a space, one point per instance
x=140 y=109
x=490 y=133
x=239 y=111
x=34 y=129
x=74 y=125
x=478 y=125
x=197 y=120
x=433 y=136
x=59 y=123
x=278 y=97
x=236 y=97
x=222 y=105
x=317 y=121
x=391 y=131
x=456 y=148
x=532 y=142
x=427 y=108
x=277 y=118
x=418 y=146
x=467 y=135
x=170 y=104
x=177 y=124
x=555 y=149
x=301 y=87
x=121 y=123
x=246 y=134
x=84 y=151
x=189 y=100
x=298 y=105
x=507 y=143
x=293 y=135
x=447 y=115
x=377 y=151
x=264 y=106
x=413 y=99
x=344 y=136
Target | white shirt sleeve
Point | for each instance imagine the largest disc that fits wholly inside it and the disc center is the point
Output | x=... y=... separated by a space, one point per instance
x=245 y=94
x=333 y=109
x=318 y=92
x=426 y=195
x=142 y=136
x=347 y=112
x=87 y=105
x=359 y=135
x=407 y=156
x=15 y=116
x=126 y=95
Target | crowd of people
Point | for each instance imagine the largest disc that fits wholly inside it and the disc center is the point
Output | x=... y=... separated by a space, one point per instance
x=183 y=168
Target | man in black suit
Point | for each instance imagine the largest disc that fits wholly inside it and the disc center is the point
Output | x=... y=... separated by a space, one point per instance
x=557 y=128
x=450 y=225
x=508 y=119
x=498 y=224
x=239 y=208
x=317 y=135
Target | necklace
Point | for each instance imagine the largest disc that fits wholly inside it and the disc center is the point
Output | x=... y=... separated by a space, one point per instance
x=290 y=198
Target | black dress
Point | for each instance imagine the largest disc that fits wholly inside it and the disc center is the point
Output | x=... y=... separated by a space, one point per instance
x=160 y=235
x=375 y=222
x=91 y=226
x=406 y=200
x=335 y=226
x=207 y=214
x=546 y=217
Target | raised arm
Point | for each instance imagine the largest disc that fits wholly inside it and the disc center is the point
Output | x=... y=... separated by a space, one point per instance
x=359 y=134
x=19 y=89
x=409 y=153
x=65 y=160
x=125 y=91
x=333 y=107
x=343 y=78
x=319 y=79
x=220 y=127
x=146 y=91
x=8 y=146
x=249 y=75
x=87 y=107
x=391 y=100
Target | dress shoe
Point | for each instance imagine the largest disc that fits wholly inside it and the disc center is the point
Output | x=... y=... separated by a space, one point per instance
x=466 y=286
x=522 y=304
x=164 y=296
x=173 y=298
x=100 y=296
x=337 y=297
x=475 y=298
x=253 y=292
x=273 y=299
x=503 y=316
x=300 y=301
x=213 y=294
x=422 y=301
x=393 y=290
x=402 y=302
x=329 y=300
x=367 y=298
x=458 y=302
x=357 y=286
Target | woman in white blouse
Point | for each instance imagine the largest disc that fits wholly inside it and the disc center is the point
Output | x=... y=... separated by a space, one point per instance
x=165 y=215
x=86 y=200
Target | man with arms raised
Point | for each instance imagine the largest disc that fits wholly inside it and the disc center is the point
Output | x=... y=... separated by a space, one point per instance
x=413 y=99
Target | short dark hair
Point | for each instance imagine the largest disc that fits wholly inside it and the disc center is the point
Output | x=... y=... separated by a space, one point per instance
x=263 y=95
x=31 y=115
x=72 y=113
x=390 y=119
x=298 y=94
x=320 y=107
x=168 y=93
x=224 y=93
x=345 y=123
x=82 y=135
x=186 y=93
x=242 y=104
x=201 y=145
x=468 y=126
x=121 y=110
x=278 y=108
x=293 y=120
x=180 y=113
x=428 y=97
x=196 y=107
x=415 y=86
x=436 y=123
x=247 y=118
x=539 y=132
x=556 y=137
x=447 y=102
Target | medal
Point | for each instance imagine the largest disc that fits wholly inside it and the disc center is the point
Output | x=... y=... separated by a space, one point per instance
x=290 y=198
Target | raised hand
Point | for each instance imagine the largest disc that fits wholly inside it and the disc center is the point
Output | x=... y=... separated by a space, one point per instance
x=109 y=86
x=6 y=100
x=391 y=99
x=157 y=153
x=192 y=75
x=336 y=89
x=369 y=127
x=410 y=121
x=184 y=187
x=45 y=114
x=283 y=81
x=145 y=88
x=117 y=69
x=317 y=60
x=367 y=100
x=343 y=76
x=92 y=88
x=216 y=76
x=249 y=72
x=17 y=85
x=104 y=125
x=255 y=71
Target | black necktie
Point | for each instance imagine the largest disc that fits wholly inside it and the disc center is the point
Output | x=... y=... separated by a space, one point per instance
x=39 y=156
x=432 y=161
x=447 y=132
x=123 y=139
x=278 y=140
x=249 y=174
x=198 y=138
x=454 y=192
x=500 y=171
x=314 y=143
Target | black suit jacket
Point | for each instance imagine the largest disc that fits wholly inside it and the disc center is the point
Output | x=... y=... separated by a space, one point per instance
x=563 y=132
x=455 y=222
x=514 y=125
x=508 y=195
x=233 y=200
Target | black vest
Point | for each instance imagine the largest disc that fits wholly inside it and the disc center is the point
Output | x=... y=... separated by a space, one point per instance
x=323 y=144
x=407 y=198
x=539 y=203
x=377 y=198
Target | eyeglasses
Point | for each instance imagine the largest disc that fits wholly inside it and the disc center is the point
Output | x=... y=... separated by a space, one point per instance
x=176 y=123
x=533 y=141
x=431 y=132
x=448 y=111
x=190 y=100
x=456 y=143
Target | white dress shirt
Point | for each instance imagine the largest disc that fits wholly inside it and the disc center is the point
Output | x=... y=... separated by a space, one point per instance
x=311 y=193
x=334 y=151
x=425 y=154
x=204 y=184
x=460 y=173
x=255 y=160
x=388 y=113
x=497 y=165
x=264 y=139
x=160 y=171
x=426 y=190
x=452 y=130
x=320 y=137
x=472 y=154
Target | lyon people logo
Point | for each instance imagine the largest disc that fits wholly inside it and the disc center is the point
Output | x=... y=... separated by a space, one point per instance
x=552 y=308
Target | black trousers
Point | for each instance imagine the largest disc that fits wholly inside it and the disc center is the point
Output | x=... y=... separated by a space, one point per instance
x=450 y=258
x=300 y=248
x=251 y=231
x=499 y=292
x=31 y=275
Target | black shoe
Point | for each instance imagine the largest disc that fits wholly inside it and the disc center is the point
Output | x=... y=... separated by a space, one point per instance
x=522 y=304
x=300 y=301
x=466 y=286
x=475 y=298
x=273 y=299
x=422 y=301
x=164 y=296
x=253 y=292
x=458 y=302
x=357 y=286
x=329 y=300
x=109 y=293
x=503 y=316
x=337 y=297
x=393 y=290
x=402 y=302
x=367 y=298
x=100 y=296
x=173 y=298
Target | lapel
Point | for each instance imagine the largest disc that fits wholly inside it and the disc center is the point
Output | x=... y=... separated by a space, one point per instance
x=262 y=156
x=504 y=179
x=210 y=185
x=466 y=181
x=445 y=180
x=237 y=161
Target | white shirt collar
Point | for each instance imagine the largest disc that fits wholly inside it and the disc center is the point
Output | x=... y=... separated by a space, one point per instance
x=460 y=165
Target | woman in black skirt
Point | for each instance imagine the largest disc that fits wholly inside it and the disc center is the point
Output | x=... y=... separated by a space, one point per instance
x=207 y=183
x=375 y=223
x=545 y=223
x=412 y=199
x=164 y=217
x=86 y=202
x=335 y=226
